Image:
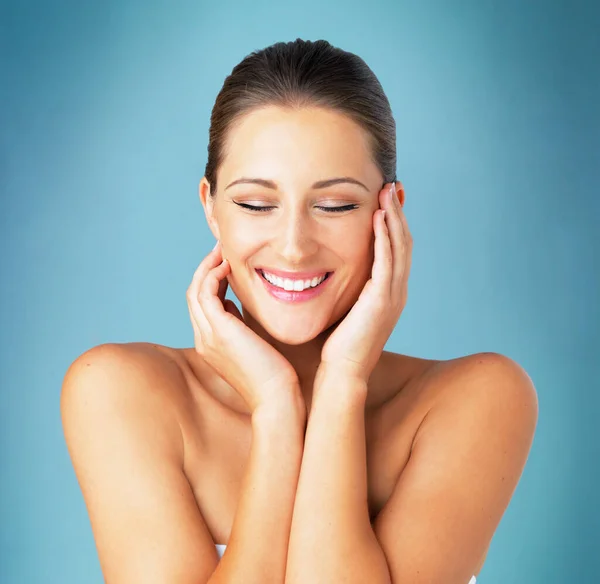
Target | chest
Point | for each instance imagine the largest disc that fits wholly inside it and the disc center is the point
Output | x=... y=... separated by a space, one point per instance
x=216 y=461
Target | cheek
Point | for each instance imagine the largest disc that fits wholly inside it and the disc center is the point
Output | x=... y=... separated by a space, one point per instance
x=352 y=239
x=238 y=230
x=239 y=241
x=356 y=252
x=357 y=243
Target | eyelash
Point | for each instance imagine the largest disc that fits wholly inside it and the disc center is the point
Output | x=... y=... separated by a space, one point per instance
x=326 y=209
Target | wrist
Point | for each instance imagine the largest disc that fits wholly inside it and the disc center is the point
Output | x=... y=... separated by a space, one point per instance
x=287 y=413
x=337 y=383
x=340 y=375
x=349 y=372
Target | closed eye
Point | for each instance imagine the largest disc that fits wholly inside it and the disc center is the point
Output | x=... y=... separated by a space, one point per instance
x=326 y=209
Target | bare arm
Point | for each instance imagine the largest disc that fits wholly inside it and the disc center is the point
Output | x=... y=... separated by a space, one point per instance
x=257 y=550
x=331 y=536
x=466 y=461
x=126 y=445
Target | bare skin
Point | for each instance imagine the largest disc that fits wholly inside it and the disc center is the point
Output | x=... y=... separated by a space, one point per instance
x=160 y=440
x=289 y=152
x=403 y=389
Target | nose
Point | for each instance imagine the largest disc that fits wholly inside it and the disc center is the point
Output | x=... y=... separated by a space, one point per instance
x=295 y=236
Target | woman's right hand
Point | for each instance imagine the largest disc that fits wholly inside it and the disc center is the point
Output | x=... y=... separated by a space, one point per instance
x=257 y=371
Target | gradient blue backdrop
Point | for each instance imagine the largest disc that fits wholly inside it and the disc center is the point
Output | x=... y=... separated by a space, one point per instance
x=105 y=112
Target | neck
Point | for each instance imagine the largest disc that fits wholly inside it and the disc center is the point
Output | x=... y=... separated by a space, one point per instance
x=305 y=358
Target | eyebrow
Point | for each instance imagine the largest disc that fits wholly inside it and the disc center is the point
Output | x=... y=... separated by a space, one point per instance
x=321 y=184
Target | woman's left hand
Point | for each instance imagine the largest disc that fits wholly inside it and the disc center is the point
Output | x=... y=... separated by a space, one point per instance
x=355 y=346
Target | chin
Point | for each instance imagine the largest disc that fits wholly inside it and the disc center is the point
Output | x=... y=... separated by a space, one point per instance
x=291 y=331
x=288 y=324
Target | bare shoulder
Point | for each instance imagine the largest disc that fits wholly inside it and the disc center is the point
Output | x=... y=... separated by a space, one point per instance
x=151 y=355
x=119 y=408
x=477 y=383
x=138 y=370
x=482 y=375
x=477 y=418
x=488 y=400
x=132 y=383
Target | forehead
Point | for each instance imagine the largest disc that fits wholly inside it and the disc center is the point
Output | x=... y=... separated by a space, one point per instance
x=298 y=146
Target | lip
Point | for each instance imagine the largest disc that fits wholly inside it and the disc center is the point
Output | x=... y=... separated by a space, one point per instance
x=293 y=295
x=293 y=275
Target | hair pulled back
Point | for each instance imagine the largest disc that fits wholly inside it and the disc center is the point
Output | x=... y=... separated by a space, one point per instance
x=300 y=74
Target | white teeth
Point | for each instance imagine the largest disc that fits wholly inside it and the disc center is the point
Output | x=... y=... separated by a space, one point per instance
x=296 y=285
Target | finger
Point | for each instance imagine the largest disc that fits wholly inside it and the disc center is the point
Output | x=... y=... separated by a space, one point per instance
x=208 y=296
x=215 y=280
x=397 y=241
x=222 y=291
x=403 y=287
x=199 y=321
x=382 y=264
x=212 y=260
x=198 y=335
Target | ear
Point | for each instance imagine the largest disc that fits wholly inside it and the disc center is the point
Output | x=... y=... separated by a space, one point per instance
x=208 y=205
x=400 y=193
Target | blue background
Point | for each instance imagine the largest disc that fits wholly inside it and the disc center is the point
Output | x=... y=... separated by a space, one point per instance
x=105 y=112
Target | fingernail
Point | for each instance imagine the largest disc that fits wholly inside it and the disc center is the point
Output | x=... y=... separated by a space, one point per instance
x=216 y=245
x=393 y=189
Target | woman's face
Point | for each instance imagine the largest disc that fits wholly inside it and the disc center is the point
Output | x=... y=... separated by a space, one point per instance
x=293 y=149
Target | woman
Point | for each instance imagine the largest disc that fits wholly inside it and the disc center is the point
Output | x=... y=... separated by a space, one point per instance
x=286 y=435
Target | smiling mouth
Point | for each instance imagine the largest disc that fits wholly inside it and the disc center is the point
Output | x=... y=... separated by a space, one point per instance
x=262 y=275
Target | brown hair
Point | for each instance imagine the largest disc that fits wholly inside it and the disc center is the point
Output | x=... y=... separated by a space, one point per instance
x=304 y=74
